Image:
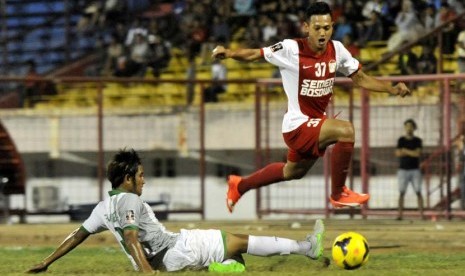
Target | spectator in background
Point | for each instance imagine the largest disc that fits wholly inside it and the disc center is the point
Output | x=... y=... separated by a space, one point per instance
x=389 y=12
x=384 y=10
x=160 y=54
x=372 y=30
x=220 y=29
x=445 y=14
x=115 y=50
x=370 y=7
x=31 y=85
x=100 y=52
x=460 y=45
x=408 y=27
x=179 y=7
x=33 y=88
x=457 y=5
x=121 y=67
x=113 y=11
x=191 y=74
x=244 y=7
x=458 y=144
x=427 y=62
x=252 y=33
x=351 y=10
x=461 y=51
x=136 y=28
x=136 y=63
x=352 y=47
x=206 y=48
x=219 y=74
x=139 y=53
x=407 y=64
x=342 y=28
x=269 y=29
x=90 y=17
x=285 y=27
x=267 y=7
x=119 y=31
x=198 y=35
x=242 y=11
x=223 y=8
x=408 y=151
x=428 y=17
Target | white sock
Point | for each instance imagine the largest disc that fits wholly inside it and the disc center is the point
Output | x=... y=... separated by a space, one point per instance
x=268 y=246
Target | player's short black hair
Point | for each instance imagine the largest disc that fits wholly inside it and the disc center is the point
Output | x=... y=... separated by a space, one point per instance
x=317 y=8
x=411 y=121
x=125 y=162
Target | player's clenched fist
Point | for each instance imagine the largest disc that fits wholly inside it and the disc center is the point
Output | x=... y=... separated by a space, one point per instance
x=219 y=52
x=401 y=89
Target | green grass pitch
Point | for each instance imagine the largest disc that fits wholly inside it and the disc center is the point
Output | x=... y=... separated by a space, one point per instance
x=396 y=248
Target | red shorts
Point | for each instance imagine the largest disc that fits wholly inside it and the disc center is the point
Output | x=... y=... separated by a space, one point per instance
x=303 y=141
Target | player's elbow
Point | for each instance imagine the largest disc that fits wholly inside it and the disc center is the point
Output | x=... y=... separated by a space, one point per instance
x=359 y=78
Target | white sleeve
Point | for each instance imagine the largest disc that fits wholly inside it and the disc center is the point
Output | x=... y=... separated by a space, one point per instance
x=129 y=210
x=95 y=222
x=346 y=64
x=281 y=53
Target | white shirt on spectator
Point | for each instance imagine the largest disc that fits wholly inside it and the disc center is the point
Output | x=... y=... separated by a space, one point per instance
x=219 y=72
x=132 y=33
x=371 y=6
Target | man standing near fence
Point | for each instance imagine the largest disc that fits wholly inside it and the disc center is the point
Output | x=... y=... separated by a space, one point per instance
x=459 y=144
x=308 y=67
x=408 y=151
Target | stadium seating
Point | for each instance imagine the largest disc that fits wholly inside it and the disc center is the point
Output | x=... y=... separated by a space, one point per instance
x=37 y=31
x=169 y=94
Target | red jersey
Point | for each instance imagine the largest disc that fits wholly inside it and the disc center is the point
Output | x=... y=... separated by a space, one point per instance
x=308 y=78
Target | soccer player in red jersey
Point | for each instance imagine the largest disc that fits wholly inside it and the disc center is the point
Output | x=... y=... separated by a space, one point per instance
x=308 y=67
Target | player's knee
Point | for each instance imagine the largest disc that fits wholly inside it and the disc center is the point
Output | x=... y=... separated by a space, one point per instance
x=297 y=174
x=347 y=132
x=236 y=244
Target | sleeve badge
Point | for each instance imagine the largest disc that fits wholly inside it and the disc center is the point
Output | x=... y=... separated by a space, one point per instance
x=130 y=217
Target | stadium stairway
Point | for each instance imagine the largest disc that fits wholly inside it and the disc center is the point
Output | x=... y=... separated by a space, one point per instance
x=442 y=204
x=12 y=171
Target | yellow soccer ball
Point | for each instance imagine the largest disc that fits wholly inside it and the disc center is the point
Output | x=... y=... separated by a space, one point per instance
x=350 y=250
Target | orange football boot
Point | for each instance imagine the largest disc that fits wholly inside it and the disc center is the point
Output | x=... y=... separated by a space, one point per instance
x=349 y=198
x=233 y=195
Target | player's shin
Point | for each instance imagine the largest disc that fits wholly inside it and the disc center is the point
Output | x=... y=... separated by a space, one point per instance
x=340 y=161
x=269 y=246
x=272 y=173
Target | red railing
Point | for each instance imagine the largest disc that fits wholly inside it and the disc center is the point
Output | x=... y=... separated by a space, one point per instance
x=263 y=141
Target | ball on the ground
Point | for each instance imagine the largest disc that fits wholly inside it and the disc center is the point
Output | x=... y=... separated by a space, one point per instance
x=350 y=250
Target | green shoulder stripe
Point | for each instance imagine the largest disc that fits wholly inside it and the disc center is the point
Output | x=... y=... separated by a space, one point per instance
x=84 y=229
x=131 y=227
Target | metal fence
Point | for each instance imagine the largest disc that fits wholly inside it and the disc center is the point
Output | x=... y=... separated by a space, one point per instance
x=189 y=149
x=437 y=105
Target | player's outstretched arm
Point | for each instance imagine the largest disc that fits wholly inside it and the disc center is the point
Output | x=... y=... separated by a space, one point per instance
x=240 y=54
x=74 y=239
x=131 y=239
x=363 y=80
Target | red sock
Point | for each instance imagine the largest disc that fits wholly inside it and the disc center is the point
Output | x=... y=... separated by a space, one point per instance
x=270 y=174
x=340 y=161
